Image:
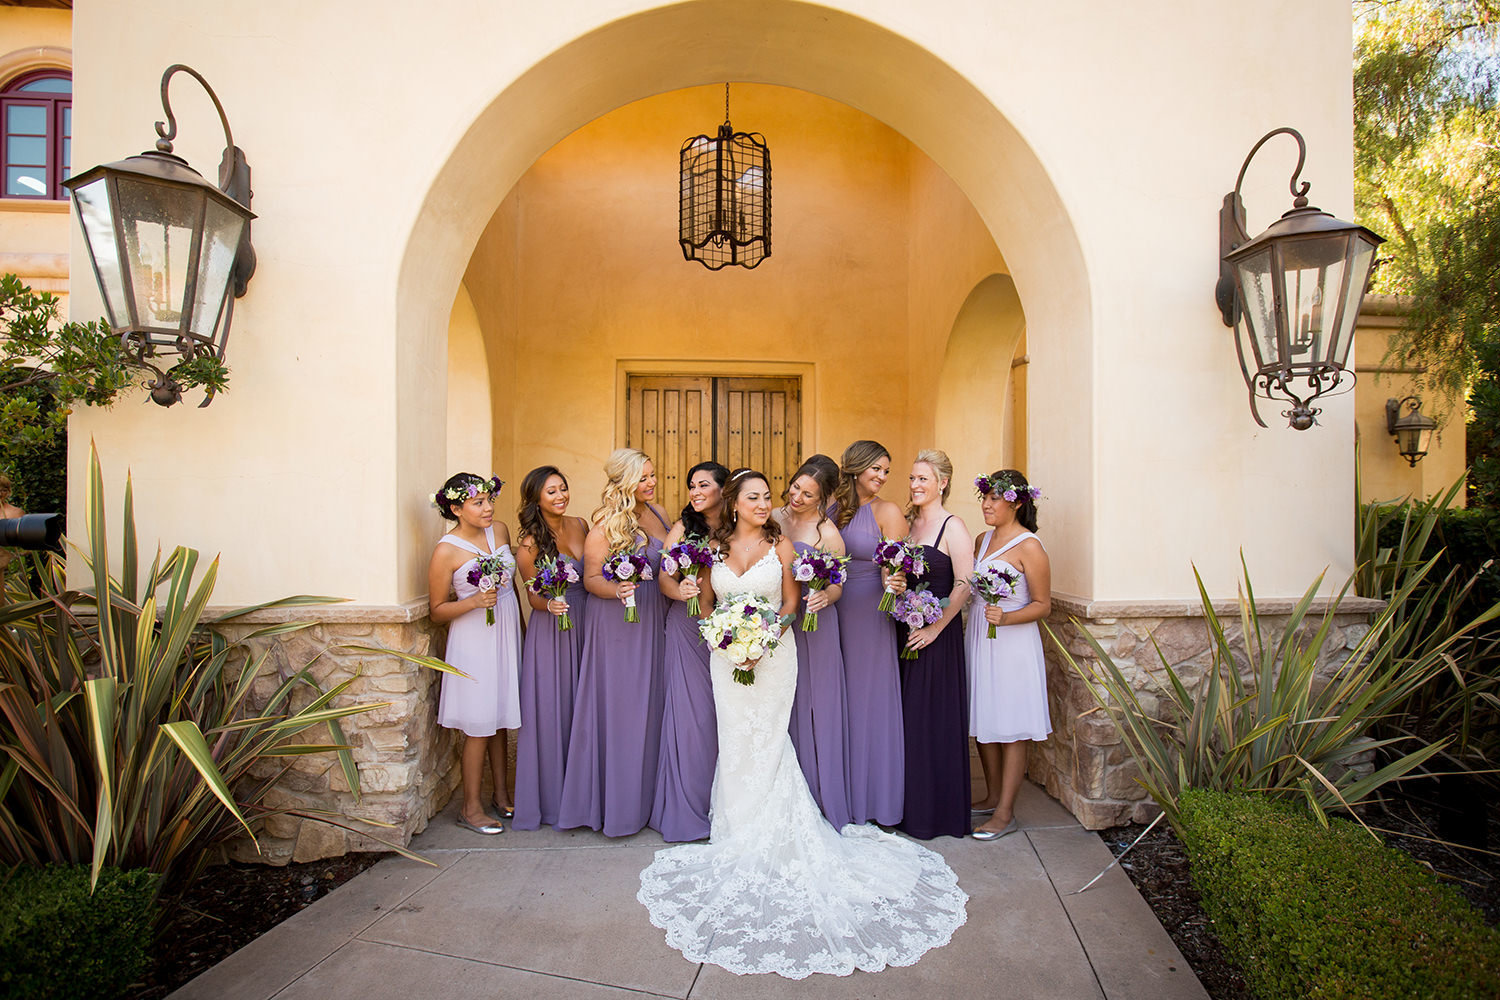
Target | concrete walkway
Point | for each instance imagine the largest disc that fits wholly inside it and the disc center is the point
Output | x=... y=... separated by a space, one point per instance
x=547 y=914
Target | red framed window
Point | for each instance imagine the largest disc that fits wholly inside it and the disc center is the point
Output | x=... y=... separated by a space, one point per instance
x=36 y=119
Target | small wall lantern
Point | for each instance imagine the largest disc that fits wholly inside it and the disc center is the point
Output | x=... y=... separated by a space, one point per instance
x=724 y=202
x=1413 y=432
x=1293 y=295
x=166 y=245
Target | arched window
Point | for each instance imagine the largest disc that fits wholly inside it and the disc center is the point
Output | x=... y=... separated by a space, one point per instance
x=36 y=113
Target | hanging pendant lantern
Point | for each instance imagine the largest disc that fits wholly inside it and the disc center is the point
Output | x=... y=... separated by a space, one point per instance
x=724 y=209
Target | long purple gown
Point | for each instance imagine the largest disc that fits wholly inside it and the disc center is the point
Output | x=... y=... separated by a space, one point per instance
x=549 y=676
x=689 y=733
x=820 y=712
x=610 y=779
x=935 y=710
x=867 y=636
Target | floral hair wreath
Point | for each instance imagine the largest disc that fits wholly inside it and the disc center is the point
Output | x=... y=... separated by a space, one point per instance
x=470 y=489
x=1009 y=491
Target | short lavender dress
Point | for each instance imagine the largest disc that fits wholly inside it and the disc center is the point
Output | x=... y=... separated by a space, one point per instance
x=867 y=636
x=486 y=701
x=549 y=675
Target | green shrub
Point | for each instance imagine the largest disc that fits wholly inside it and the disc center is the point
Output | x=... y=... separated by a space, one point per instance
x=1309 y=911
x=57 y=940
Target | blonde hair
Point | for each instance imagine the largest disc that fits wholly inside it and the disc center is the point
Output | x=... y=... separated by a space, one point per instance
x=858 y=457
x=942 y=465
x=625 y=469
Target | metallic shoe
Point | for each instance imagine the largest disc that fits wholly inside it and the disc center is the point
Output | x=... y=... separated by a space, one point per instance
x=981 y=812
x=488 y=829
x=1009 y=829
x=494 y=810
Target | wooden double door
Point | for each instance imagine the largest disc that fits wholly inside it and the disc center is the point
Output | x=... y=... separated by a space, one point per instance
x=740 y=421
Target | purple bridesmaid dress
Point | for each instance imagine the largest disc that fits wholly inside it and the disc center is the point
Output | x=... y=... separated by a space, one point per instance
x=867 y=636
x=549 y=676
x=689 y=733
x=820 y=712
x=610 y=779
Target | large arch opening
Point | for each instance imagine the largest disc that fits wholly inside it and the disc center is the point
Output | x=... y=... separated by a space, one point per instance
x=813 y=49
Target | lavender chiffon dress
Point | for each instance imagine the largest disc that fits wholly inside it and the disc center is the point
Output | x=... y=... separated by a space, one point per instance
x=867 y=636
x=609 y=782
x=689 y=733
x=549 y=676
x=820 y=712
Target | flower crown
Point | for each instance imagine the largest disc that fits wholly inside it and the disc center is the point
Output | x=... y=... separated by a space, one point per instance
x=1002 y=486
x=465 y=491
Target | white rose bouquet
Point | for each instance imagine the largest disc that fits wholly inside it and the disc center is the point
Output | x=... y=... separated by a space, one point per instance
x=744 y=627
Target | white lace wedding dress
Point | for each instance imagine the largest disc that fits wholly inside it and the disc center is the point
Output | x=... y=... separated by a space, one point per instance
x=776 y=888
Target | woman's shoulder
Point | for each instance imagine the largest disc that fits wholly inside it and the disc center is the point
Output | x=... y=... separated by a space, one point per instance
x=829 y=537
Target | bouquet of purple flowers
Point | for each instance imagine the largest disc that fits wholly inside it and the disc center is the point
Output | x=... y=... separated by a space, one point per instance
x=627 y=566
x=690 y=553
x=994 y=585
x=914 y=609
x=492 y=572
x=819 y=569
x=898 y=557
x=553 y=574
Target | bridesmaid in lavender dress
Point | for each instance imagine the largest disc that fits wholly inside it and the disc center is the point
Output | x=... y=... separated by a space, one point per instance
x=689 y=733
x=609 y=782
x=549 y=658
x=484 y=701
x=820 y=710
x=867 y=635
x=934 y=686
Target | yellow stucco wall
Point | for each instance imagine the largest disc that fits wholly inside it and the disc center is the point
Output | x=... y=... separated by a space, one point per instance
x=1097 y=173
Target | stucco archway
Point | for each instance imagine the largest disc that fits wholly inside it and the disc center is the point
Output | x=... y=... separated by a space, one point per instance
x=813 y=48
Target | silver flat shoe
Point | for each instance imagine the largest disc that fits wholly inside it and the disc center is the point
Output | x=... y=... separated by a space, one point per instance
x=1009 y=829
x=982 y=812
x=488 y=829
x=498 y=813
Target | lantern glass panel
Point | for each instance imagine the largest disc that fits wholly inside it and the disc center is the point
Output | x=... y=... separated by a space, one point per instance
x=1258 y=300
x=160 y=223
x=94 y=213
x=221 y=239
x=1362 y=259
x=1313 y=272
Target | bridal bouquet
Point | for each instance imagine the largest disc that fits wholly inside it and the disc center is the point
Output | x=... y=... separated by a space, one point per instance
x=690 y=553
x=914 y=609
x=744 y=628
x=819 y=569
x=898 y=557
x=627 y=567
x=994 y=585
x=553 y=574
x=491 y=572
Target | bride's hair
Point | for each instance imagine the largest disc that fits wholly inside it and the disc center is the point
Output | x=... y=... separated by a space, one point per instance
x=858 y=457
x=616 y=512
x=942 y=465
x=732 y=489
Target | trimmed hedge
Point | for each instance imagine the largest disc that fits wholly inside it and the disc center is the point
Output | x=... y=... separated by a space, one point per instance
x=1330 y=913
x=56 y=940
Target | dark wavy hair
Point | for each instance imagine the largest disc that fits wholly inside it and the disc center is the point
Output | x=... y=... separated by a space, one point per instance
x=694 y=524
x=858 y=457
x=462 y=481
x=825 y=472
x=732 y=489
x=1026 y=513
x=533 y=525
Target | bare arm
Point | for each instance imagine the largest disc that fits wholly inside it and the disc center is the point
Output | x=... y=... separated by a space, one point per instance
x=1031 y=559
x=526 y=554
x=892 y=525
x=791 y=590
x=673 y=584
x=442 y=606
x=829 y=540
x=595 y=551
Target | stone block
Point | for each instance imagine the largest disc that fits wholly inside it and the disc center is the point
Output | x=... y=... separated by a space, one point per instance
x=1095 y=729
x=388 y=777
x=1125 y=643
x=1094 y=814
x=1144 y=811
x=1181 y=639
x=319 y=840
x=1122 y=782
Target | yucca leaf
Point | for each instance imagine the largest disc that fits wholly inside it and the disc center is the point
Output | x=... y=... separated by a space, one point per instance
x=190 y=741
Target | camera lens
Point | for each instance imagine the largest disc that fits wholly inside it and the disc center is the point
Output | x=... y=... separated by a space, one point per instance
x=31 y=531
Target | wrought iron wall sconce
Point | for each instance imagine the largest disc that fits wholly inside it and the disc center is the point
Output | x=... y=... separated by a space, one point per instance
x=1413 y=432
x=1292 y=295
x=167 y=246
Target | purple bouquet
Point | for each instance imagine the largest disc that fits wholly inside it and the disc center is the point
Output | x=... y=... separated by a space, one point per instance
x=898 y=557
x=690 y=553
x=818 y=568
x=994 y=585
x=492 y=572
x=914 y=609
x=553 y=574
x=627 y=567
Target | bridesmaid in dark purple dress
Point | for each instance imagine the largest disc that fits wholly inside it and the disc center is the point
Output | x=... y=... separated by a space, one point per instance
x=867 y=636
x=689 y=725
x=550 y=658
x=610 y=779
x=935 y=686
x=820 y=712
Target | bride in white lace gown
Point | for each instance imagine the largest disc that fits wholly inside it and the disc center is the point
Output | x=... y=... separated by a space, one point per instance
x=776 y=889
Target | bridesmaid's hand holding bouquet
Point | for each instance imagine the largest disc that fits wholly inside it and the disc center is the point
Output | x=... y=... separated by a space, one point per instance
x=915 y=609
x=819 y=569
x=688 y=554
x=627 y=566
x=994 y=585
x=492 y=572
x=898 y=557
x=553 y=574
